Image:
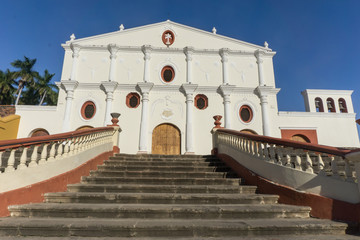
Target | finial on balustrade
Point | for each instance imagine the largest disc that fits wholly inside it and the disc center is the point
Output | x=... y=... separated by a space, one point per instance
x=115 y=118
x=217 y=122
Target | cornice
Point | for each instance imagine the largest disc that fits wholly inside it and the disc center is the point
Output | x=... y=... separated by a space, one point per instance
x=327 y=92
x=317 y=114
x=35 y=108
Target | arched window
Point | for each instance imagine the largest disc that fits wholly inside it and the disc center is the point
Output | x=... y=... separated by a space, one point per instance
x=133 y=100
x=201 y=101
x=84 y=127
x=39 y=132
x=167 y=74
x=248 y=131
x=88 y=110
x=319 y=105
x=330 y=104
x=342 y=105
x=245 y=113
x=300 y=138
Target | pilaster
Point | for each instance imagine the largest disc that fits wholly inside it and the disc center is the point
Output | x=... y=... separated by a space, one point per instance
x=108 y=88
x=76 y=53
x=189 y=51
x=146 y=49
x=113 y=49
x=69 y=86
x=225 y=91
x=224 y=53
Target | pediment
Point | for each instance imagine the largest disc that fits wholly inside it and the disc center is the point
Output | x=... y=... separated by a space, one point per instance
x=153 y=35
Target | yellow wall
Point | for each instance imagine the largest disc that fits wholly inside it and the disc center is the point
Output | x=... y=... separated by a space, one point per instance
x=9 y=127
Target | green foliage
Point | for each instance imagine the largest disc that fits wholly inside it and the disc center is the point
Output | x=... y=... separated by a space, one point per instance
x=7 y=88
x=31 y=87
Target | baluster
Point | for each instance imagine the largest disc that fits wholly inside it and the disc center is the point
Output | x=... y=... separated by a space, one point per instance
x=321 y=164
x=260 y=149
x=256 y=149
x=11 y=161
x=60 y=150
x=33 y=159
x=266 y=152
x=52 y=152
x=43 y=154
x=287 y=158
x=271 y=153
x=23 y=158
x=66 y=148
x=308 y=161
x=334 y=167
x=348 y=171
x=298 y=159
x=71 y=146
x=278 y=150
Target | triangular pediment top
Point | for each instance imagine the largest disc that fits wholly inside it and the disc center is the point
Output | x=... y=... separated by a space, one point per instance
x=177 y=28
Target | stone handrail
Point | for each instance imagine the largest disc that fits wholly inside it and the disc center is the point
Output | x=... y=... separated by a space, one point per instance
x=28 y=152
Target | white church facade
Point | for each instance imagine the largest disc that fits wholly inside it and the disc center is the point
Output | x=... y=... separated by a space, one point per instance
x=168 y=80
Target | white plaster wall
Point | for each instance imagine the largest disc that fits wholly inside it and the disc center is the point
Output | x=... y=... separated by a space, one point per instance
x=93 y=66
x=333 y=129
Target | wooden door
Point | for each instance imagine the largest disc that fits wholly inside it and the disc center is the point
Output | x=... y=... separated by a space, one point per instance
x=166 y=140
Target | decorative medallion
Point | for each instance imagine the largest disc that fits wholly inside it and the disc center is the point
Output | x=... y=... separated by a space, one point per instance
x=168 y=37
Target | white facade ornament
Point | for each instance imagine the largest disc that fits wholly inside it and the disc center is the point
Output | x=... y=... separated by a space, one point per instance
x=72 y=37
x=214 y=30
x=258 y=54
x=224 y=53
x=113 y=51
x=108 y=88
x=266 y=45
x=225 y=91
x=189 y=51
x=121 y=27
x=76 y=53
x=167 y=38
x=69 y=87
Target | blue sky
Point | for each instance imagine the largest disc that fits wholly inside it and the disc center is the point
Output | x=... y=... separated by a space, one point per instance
x=317 y=41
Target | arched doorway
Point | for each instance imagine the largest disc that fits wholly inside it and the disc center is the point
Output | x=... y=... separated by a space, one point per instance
x=300 y=138
x=166 y=140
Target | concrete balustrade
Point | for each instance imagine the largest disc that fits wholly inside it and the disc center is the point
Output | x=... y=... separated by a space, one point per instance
x=323 y=170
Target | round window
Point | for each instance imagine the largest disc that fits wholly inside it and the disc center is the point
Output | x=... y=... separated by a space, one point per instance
x=201 y=101
x=167 y=74
x=133 y=100
x=246 y=114
x=168 y=37
x=88 y=110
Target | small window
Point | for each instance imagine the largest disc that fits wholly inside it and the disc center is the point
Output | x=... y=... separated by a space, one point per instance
x=167 y=74
x=133 y=100
x=88 y=110
x=246 y=113
x=319 y=105
x=342 y=105
x=201 y=101
x=330 y=105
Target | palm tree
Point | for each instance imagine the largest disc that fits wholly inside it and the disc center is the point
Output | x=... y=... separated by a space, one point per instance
x=25 y=73
x=6 y=87
x=45 y=88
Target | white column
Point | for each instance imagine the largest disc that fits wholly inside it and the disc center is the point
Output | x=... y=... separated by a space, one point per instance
x=76 y=50
x=225 y=91
x=188 y=52
x=259 y=61
x=113 y=51
x=147 y=52
x=143 y=136
x=109 y=88
x=224 y=53
x=189 y=90
x=69 y=87
x=265 y=115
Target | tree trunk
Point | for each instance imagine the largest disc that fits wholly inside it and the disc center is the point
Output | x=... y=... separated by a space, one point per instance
x=19 y=94
x=42 y=99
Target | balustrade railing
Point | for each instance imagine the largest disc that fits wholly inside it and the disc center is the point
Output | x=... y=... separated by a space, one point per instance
x=30 y=152
x=306 y=157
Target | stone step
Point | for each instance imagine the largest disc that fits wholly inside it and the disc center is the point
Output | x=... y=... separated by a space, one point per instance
x=323 y=236
x=162 y=174
x=166 y=157
x=159 y=198
x=169 y=211
x=165 y=168
x=162 y=180
x=114 y=227
x=123 y=188
x=162 y=163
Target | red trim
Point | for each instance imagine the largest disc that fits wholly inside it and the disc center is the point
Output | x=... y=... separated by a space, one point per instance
x=24 y=142
x=172 y=40
x=204 y=97
x=308 y=133
x=129 y=96
x=289 y=143
x=172 y=72
x=88 y=103
x=322 y=207
x=250 y=112
x=35 y=193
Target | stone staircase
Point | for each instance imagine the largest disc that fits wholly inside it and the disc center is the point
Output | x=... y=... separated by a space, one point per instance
x=164 y=197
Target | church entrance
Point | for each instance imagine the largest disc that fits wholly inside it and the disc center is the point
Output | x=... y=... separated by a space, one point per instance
x=166 y=140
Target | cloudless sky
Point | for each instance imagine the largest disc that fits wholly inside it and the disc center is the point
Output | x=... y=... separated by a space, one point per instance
x=317 y=41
